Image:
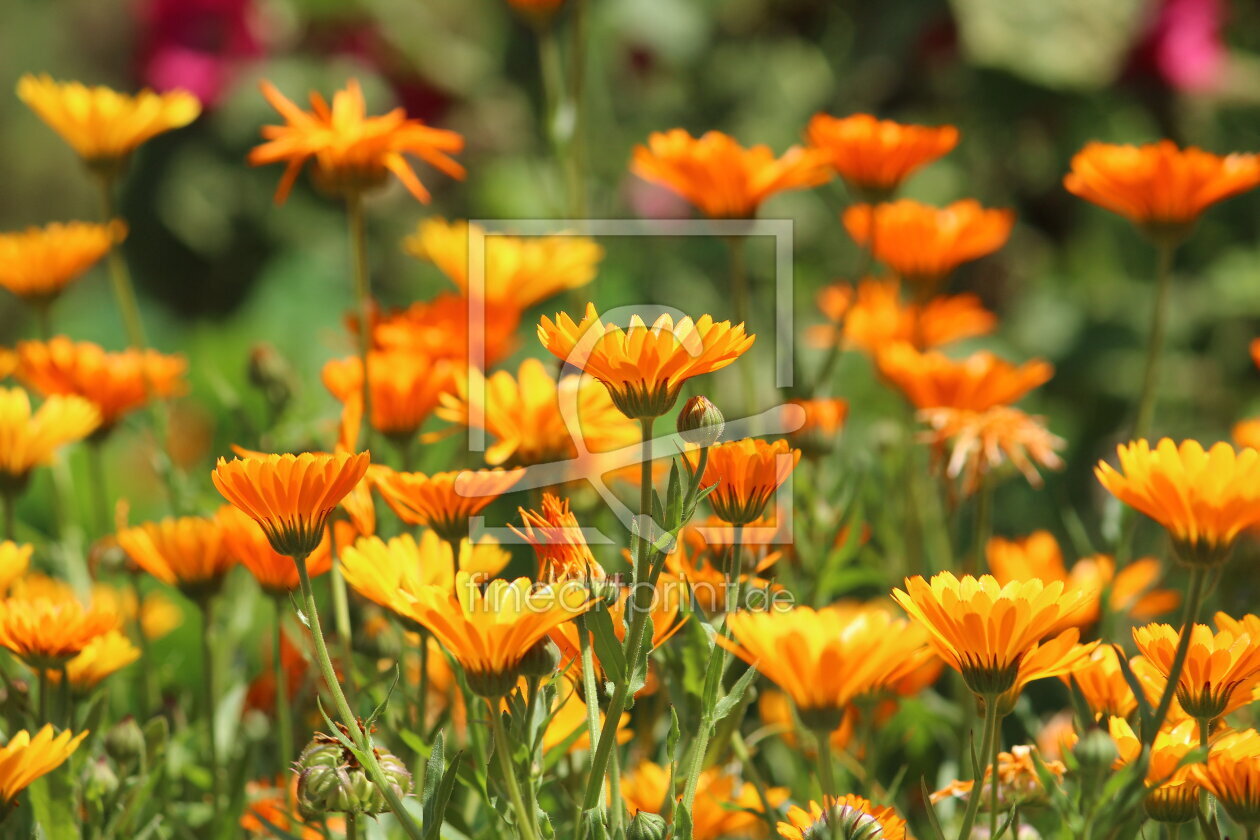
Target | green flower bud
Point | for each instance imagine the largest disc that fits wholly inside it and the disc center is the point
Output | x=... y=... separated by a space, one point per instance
x=124 y=742
x=99 y=780
x=647 y=826
x=700 y=422
x=331 y=781
x=541 y=660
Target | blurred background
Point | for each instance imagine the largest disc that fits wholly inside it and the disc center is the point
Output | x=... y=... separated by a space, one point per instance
x=222 y=270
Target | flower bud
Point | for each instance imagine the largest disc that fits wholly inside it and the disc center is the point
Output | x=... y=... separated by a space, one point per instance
x=331 y=781
x=99 y=780
x=700 y=422
x=1095 y=753
x=124 y=742
x=541 y=660
x=647 y=826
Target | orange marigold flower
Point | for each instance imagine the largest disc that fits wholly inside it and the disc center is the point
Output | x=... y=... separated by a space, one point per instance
x=517 y=271
x=290 y=496
x=724 y=807
x=558 y=542
x=405 y=388
x=982 y=441
x=24 y=758
x=489 y=633
x=38 y=263
x=352 y=151
x=102 y=125
x=702 y=560
x=116 y=383
x=977 y=383
x=102 y=656
x=1246 y=434
x=536 y=419
x=1102 y=683
x=722 y=178
x=1232 y=775
x=46 y=632
x=644 y=367
x=1018 y=780
x=924 y=244
x=1171 y=794
x=15 y=559
x=992 y=633
x=1160 y=188
x=186 y=552
x=877 y=318
x=825 y=658
x=875 y=156
x=440 y=329
x=825 y=416
x=276 y=573
x=1221 y=669
x=849 y=816
x=273 y=803
x=747 y=473
x=445 y=501
x=155 y=615
x=1204 y=499
x=29 y=440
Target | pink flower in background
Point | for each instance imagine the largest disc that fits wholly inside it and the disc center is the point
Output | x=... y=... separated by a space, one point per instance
x=198 y=45
x=1184 y=46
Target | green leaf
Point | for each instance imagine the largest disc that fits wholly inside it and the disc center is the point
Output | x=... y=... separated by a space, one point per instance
x=1146 y=715
x=607 y=646
x=732 y=700
x=436 y=803
x=934 y=822
x=376 y=713
x=51 y=798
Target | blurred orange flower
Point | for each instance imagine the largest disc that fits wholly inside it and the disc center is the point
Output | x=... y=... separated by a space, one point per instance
x=15 y=559
x=666 y=617
x=24 y=758
x=101 y=657
x=1160 y=188
x=775 y=710
x=644 y=367
x=30 y=439
x=445 y=501
x=924 y=244
x=725 y=807
x=1102 y=683
x=187 y=552
x=352 y=152
x=276 y=573
x=747 y=473
x=405 y=388
x=46 y=632
x=116 y=383
x=874 y=156
x=982 y=441
x=1018 y=780
x=722 y=178
x=1172 y=796
x=441 y=329
x=38 y=263
x=1246 y=434
x=977 y=383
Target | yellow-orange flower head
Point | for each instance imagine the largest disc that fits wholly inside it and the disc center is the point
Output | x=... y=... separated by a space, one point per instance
x=24 y=758
x=187 y=552
x=747 y=473
x=1172 y=794
x=290 y=496
x=725 y=807
x=1232 y=775
x=849 y=817
x=988 y=631
x=1204 y=499
x=276 y=573
x=406 y=387
x=445 y=501
x=116 y=383
x=15 y=559
x=980 y=442
x=47 y=631
x=558 y=542
x=1160 y=188
x=103 y=125
x=924 y=244
x=38 y=263
x=875 y=156
x=30 y=439
x=1221 y=669
x=103 y=656
x=644 y=367
x=352 y=152
x=721 y=178
x=977 y=383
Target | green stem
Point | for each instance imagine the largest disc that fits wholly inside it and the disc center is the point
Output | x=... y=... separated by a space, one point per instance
x=360 y=738
x=284 y=719
x=208 y=697
x=454 y=546
x=124 y=291
x=993 y=776
x=145 y=682
x=1148 y=396
x=768 y=811
x=531 y=709
x=986 y=750
x=826 y=776
x=577 y=95
x=43 y=695
x=363 y=292
x=422 y=701
x=65 y=711
x=43 y=318
x=589 y=689
x=524 y=819
x=9 y=502
x=100 y=488
x=341 y=611
x=352 y=827
x=1198 y=577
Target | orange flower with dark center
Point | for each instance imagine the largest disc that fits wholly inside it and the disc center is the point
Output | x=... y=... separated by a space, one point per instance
x=875 y=156
x=747 y=473
x=116 y=383
x=290 y=496
x=644 y=367
x=1160 y=188
x=558 y=542
x=103 y=125
x=977 y=383
x=30 y=439
x=46 y=632
x=352 y=152
x=516 y=271
x=849 y=816
x=722 y=178
x=980 y=442
x=725 y=807
x=186 y=552
x=405 y=388
x=873 y=316
x=25 y=758
x=924 y=244
x=445 y=501
x=1204 y=499
x=1221 y=669
x=38 y=263
x=276 y=573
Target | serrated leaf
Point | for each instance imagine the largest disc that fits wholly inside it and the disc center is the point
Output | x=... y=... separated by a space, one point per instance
x=732 y=700
x=608 y=648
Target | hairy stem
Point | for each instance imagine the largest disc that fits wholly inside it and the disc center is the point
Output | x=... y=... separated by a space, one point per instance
x=986 y=750
x=1198 y=577
x=524 y=819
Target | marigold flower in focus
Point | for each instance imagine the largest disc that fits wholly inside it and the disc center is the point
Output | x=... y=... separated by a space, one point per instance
x=38 y=263
x=490 y=633
x=116 y=383
x=15 y=559
x=1018 y=781
x=723 y=179
x=352 y=152
x=290 y=496
x=977 y=383
x=875 y=156
x=517 y=271
x=1102 y=683
x=1172 y=796
x=536 y=419
x=1160 y=188
x=406 y=388
x=186 y=552
x=874 y=317
x=747 y=473
x=1232 y=774
x=644 y=367
x=102 y=656
x=849 y=816
x=1221 y=669
x=445 y=501
x=1204 y=499
x=992 y=633
x=30 y=439
x=980 y=442
x=276 y=573
x=558 y=542
x=102 y=125
x=25 y=758
x=724 y=807
x=825 y=658
x=46 y=632
x=923 y=244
